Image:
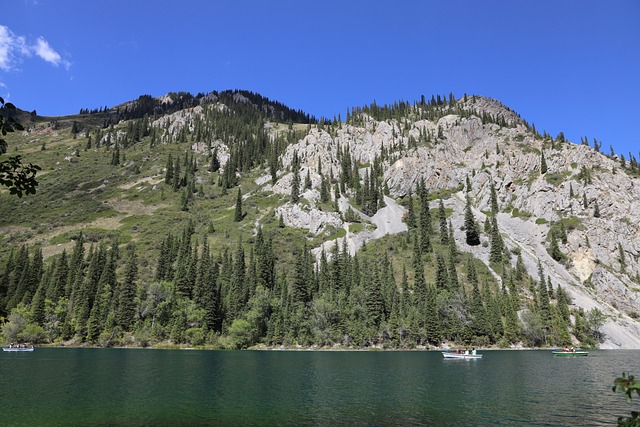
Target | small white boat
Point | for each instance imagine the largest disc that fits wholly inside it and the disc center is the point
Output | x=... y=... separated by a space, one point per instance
x=18 y=348
x=449 y=355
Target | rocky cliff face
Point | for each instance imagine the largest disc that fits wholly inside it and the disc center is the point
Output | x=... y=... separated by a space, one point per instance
x=591 y=195
x=482 y=142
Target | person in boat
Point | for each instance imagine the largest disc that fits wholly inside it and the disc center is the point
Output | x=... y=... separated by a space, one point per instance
x=573 y=350
x=457 y=351
x=473 y=351
x=566 y=350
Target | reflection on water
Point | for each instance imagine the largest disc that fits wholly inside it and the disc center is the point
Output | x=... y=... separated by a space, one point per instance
x=172 y=387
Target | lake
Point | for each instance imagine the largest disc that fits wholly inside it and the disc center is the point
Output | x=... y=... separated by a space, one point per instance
x=56 y=386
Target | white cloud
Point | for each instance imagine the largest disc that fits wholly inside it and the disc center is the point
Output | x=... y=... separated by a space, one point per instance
x=14 y=48
x=9 y=43
x=46 y=52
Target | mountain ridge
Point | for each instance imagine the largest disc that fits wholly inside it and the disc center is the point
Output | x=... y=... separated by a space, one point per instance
x=471 y=147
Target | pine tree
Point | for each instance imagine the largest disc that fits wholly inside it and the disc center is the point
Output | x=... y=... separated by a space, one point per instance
x=237 y=291
x=5 y=280
x=202 y=265
x=425 y=222
x=495 y=328
x=99 y=316
x=210 y=298
x=596 y=210
x=411 y=216
x=497 y=245
x=432 y=316
x=554 y=249
x=543 y=163
x=494 y=200
x=621 y=257
x=543 y=301
x=454 y=284
x=300 y=286
x=184 y=200
x=444 y=230
x=182 y=279
x=215 y=162
x=473 y=238
x=453 y=249
x=168 y=174
x=307 y=180
x=238 y=213
x=487 y=225
x=511 y=324
x=336 y=193
x=76 y=265
x=479 y=323
x=324 y=191
x=374 y=300
x=563 y=304
x=419 y=285
x=176 y=176
x=165 y=260
x=86 y=288
x=59 y=279
x=563 y=233
x=442 y=277
x=295 y=187
x=37 y=306
x=115 y=156
x=128 y=291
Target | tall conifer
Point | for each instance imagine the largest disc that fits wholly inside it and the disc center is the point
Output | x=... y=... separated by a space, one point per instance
x=444 y=230
x=473 y=237
x=238 y=212
x=128 y=291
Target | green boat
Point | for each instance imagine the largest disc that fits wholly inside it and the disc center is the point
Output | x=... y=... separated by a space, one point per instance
x=574 y=353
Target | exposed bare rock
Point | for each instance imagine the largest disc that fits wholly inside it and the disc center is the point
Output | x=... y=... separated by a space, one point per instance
x=315 y=220
x=603 y=252
x=614 y=291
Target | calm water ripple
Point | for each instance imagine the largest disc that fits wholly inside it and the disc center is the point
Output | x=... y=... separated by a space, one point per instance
x=118 y=387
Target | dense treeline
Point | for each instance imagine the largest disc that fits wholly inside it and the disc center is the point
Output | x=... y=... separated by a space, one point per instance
x=245 y=295
x=237 y=100
x=433 y=109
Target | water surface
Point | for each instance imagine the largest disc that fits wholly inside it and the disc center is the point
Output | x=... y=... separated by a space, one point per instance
x=177 y=387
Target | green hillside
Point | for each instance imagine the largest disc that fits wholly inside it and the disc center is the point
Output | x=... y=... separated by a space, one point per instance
x=156 y=223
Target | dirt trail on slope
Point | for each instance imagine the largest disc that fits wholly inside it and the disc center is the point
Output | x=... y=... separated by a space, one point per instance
x=387 y=220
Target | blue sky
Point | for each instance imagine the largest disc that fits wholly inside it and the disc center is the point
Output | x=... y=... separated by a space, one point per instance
x=570 y=66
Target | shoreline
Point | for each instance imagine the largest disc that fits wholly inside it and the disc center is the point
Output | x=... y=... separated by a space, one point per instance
x=308 y=349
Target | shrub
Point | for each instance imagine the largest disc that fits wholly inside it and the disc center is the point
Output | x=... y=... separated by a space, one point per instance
x=195 y=336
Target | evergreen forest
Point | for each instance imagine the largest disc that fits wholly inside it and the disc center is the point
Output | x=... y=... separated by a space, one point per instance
x=161 y=224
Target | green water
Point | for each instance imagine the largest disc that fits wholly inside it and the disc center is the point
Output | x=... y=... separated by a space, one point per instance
x=120 y=387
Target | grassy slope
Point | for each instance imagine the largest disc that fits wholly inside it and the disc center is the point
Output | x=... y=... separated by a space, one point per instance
x=131 y=202
x=87 y=194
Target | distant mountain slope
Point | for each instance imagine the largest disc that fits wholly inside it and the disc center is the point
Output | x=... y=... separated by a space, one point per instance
x=549 y=214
